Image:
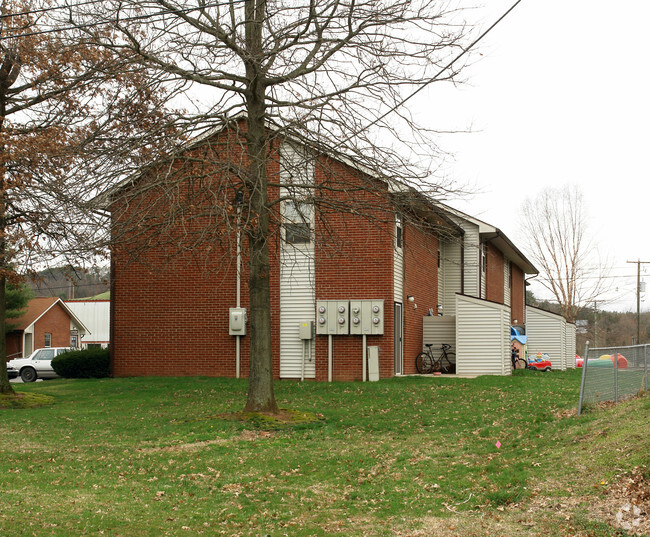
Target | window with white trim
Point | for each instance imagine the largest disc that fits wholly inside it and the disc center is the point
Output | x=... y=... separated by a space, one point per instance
x=297 y=222
x=399 y=232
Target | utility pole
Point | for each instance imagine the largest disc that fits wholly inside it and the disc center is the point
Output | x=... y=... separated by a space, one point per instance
x=596 y=323
x=638 y=298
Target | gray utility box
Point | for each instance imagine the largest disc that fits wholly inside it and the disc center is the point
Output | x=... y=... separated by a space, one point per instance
x=237 y=322
x=332 y=317
x=367 y=317
x=306 y=330
x=373 y=363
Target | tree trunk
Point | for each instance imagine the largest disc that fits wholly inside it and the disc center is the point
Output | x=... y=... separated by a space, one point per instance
x=5 y=385
x=260 y=383
x=261 y=397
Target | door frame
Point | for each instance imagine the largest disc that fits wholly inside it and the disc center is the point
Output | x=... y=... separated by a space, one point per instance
x=398 y=340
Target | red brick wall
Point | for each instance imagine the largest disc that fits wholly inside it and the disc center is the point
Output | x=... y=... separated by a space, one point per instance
x=495 y=275
x=56 y=321
x=354 y=261
x=421 y=282
x=517 y=295
x=170 y=312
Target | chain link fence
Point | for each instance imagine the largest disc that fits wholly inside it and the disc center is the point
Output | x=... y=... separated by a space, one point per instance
x=613 y=374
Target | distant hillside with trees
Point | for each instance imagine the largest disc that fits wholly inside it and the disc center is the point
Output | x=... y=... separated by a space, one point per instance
x=68 y=282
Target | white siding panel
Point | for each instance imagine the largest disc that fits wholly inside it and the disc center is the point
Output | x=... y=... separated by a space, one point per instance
x=297 y=305
x=439 y=330
x=473 y=283
x=471 y=256
x=398 y=284
x=297 y=287
x=95 y=315
x=451 y=269
x=506 y=282
x=570 y=345
x=482 y=337
x=546 y=333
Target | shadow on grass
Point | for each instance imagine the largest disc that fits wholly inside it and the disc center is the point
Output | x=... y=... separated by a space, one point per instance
x=285 y=419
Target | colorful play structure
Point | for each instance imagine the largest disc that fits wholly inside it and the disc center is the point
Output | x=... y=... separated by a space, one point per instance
x=607 y=361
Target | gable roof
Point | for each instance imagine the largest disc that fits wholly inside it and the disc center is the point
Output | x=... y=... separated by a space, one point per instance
x=39 y=306
x=489 y=233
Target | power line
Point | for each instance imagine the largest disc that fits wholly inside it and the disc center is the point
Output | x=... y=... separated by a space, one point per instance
x=433 y=78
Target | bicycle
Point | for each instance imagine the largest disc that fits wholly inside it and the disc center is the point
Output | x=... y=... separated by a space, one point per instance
x=517 y=361
x=426 y=362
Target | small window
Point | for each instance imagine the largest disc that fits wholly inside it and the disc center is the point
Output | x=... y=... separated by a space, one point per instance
x=297 y=233
x=483 y=257
x=45 y=354
x=297 y=225
x=48 y=340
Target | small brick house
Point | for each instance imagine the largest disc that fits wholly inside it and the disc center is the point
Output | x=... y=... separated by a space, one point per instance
x=351 y=274
x=47 y=322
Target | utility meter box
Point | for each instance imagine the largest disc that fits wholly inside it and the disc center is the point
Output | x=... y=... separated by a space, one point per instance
x=373 y=364
x=306 y=330
x=367 y=317
x=356 y=317
x=237 y=322
x=332 y=317
x=377 y=317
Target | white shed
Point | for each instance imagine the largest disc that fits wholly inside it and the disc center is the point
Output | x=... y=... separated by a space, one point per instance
x=547 y=334
x=482 y=337
x=570 y=344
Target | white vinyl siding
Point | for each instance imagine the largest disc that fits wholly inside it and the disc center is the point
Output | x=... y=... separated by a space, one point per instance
x=297 y=305
x=471 y=255
x=482 y=337
x=297 y=287
x=546 y=334
x=398 y=263
x=439 y=330
x=570 y=345
x=473 y=263
x=482 y=270
x=96 y=316
x=507 y=295
x=451 y=276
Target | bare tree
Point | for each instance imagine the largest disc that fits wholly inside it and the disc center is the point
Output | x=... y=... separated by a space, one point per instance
x=556 y=234
x=59 y=103
x=330 y=74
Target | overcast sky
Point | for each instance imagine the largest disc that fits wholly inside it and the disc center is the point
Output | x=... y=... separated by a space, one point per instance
x=560 y=95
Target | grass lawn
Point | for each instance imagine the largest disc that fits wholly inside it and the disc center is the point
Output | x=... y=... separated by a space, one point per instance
x=413 y=456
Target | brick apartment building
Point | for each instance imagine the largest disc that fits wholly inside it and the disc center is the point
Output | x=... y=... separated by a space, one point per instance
x=390 y=265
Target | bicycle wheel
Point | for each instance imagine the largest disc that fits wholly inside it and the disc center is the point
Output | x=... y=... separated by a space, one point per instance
x=423 y=363
x=448 y=362
x=519 y=363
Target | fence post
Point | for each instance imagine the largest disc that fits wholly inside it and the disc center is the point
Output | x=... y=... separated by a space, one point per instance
x=645 y=367
x=584 y=374
x=615 y=375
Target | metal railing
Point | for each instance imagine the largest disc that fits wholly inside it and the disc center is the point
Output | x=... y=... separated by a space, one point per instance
x=613 y=374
